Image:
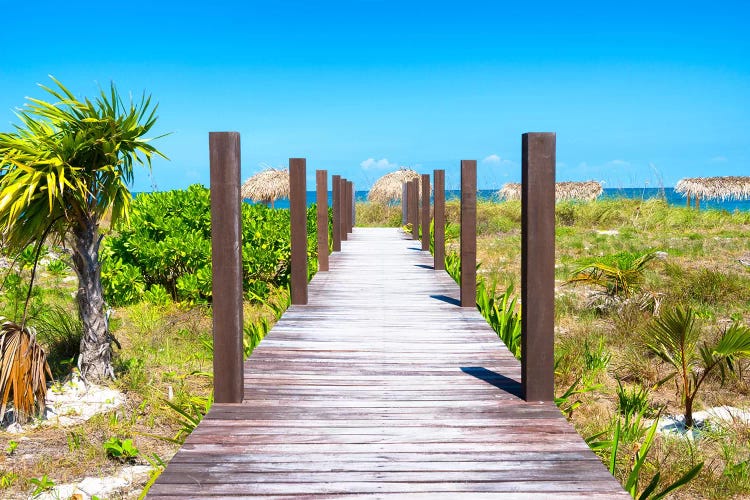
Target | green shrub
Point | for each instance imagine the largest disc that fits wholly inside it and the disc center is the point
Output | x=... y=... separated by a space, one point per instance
x=167 y=245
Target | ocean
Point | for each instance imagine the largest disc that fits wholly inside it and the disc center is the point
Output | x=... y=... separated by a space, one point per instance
x=637 y=193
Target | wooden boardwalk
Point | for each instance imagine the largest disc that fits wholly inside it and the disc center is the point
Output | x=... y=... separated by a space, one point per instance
x=383 y=387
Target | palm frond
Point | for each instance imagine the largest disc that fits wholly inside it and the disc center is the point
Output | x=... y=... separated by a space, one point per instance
x=23 y=371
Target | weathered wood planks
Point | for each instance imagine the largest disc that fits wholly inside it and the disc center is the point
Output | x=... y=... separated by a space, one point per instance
x=383 y=387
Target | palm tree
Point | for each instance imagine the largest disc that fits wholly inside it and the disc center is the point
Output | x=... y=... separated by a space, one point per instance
x=674 y=338
x=61 y=170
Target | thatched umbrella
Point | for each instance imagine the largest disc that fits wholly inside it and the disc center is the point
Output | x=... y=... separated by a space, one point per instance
x=564 y=191
x=715 y=188
x=388 y=188
x=267 y=186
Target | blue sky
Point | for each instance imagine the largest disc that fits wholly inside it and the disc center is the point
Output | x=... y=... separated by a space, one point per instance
x=638 y=93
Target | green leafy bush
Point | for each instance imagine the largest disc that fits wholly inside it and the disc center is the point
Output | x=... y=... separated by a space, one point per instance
x=120 y=449
x=166 y=247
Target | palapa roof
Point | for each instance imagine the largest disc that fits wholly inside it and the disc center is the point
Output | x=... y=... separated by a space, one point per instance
x=267 y=186
x=564 y=191
x=715 y=188
x=388 y=188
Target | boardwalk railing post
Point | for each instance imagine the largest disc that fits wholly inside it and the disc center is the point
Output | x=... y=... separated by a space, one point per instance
x=537 y=266
x=354 y=206
x=350 y=206
x=298 y=215
x=468 y=233
x=410 y=203
x=336 y=186
x=342 y=208
x=321 y=186
x=425 y=211
x=415 y=209
x=226 y=260
x=403 y=203
x=439 y=218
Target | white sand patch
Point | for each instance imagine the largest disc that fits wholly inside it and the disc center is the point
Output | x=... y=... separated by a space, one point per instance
x=102 y=487
x=608 y=232
x=717 y=415
x=75 y=402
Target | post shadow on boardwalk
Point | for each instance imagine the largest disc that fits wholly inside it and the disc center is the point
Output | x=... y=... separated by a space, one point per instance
x=498 y=380
x=450 y=300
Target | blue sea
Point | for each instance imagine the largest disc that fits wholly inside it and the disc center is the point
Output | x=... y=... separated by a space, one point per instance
x=637 y=193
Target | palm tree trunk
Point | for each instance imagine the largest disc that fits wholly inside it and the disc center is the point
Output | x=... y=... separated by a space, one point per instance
x=95 y=360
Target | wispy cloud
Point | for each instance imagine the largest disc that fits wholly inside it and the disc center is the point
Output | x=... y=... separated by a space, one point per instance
x=718 y=159
x=494 y=159
x=381 y=164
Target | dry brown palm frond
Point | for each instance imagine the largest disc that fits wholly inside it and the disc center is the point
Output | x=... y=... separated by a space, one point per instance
x=267 y=186
x=23 y=371
x=564 y=191
x=715 y=188
x=388 y=188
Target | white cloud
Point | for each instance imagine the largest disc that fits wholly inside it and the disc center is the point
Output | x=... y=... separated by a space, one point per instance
x=492 y=159
x=618 y=163
x=382 y=164
x=719 y=159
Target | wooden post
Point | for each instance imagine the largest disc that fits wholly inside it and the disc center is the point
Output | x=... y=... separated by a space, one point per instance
x=226 y=260
x=426 y=212
x=688 y=199
x=342 y=208
x=439 y=218
x=468 y=233
x=336 y=186
x=697 y=201
x=298 y=215
x=349 y=206
x=354 y=205
x=410 y=204
x=321 y=180
x=404 y=197
x=538 y=266
x=415 y=209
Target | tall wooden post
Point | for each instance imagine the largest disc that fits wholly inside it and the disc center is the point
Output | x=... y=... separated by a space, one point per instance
x=438 y=178
x=415 y=210
x=321 y=186
x=468 y=233
x=404 y=197
x=226 y=260
x=298 y=215
x=688 y=199
x=336 y=187
x=697 y=201
x=425 y=211
x=349 y=206
x=343 y=208
x=538 y=266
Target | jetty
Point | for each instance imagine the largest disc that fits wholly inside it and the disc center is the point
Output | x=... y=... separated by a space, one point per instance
x=383 y=386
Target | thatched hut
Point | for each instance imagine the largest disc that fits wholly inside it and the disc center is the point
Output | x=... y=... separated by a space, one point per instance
x=267 y=186
x=387 y=189
x=564 y=191
x=714 y=188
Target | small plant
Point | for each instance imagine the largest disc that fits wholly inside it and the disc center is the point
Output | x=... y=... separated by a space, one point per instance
x=74 y=441
x=634 y=401
x=190 y=415
x=157 y=295
x=7 y=479
x=57 y=267
x=502 y=314
x=631 y=485
x=674 y=337
x=596 y=360
x=11 y=448
x=60 y=331
x=567 y=402
x=41 y=484
x=121 y=450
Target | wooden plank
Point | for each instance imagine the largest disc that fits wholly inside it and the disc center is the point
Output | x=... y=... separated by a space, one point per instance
x=380 y=386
